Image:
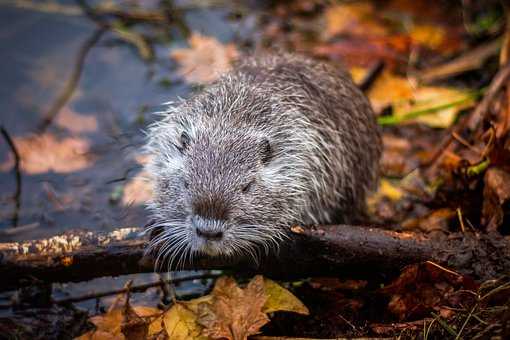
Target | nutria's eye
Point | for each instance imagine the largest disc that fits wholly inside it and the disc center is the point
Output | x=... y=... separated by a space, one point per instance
x=184 y=142
x=247 y=187
x=185 y=183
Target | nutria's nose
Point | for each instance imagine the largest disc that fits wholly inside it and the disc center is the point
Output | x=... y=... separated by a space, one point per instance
x=206 y=228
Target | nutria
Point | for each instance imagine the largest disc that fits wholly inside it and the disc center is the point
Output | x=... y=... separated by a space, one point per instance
x=278 y=141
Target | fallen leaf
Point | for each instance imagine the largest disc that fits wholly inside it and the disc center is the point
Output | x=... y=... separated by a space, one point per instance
x=388 y=189
x=45 y=153
x=449 y=102
x=235 y=313
x=354 y=18
x=75 y=122
x=365 y=51
x=133 y=326
x=389 y=89
x=431 y=36
x=122 y=321
x=205 y=60
x=434 y=106
x=280 y=299
x=422 y=287
x=181 y=323
x=358 y=73
x=385 y=191
x=109 y=322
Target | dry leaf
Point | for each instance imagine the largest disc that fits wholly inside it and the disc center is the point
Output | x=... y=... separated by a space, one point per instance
x=280 y=299
x=358 y=74
x=353 y=18
x=205 y=60
x=406 y=99
x=452 y=101
x=75 y=122
x=431 y=36
x=235 y=313
x=181 y=323
x=109 y=322
x=125 y=322
x=389 y=89
x=44 y=153
x=422 y=287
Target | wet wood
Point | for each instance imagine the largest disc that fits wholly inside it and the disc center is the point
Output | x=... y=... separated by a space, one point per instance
x=343 y=250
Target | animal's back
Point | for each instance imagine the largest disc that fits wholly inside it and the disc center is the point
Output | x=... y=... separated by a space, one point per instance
x=322 y=120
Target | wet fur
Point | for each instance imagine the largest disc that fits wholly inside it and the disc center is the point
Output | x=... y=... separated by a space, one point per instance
x=300 y=130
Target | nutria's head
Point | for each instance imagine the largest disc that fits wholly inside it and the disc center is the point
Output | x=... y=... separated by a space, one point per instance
x=220 y=187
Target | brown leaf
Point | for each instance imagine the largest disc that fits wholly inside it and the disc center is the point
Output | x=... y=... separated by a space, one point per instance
x=353 y=18
x=75 y=122
x=422 y=287
x=46 y=152
x=365 y=51
x=235 y=313
x=205 y=60
x=133 y=326
x=122 y=321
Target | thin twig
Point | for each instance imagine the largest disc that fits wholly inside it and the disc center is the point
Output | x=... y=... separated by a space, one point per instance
x=17 y=171
x=470 y=121
x=372 y=74
x=500 y=80
x=133 y=289
x=73 y=80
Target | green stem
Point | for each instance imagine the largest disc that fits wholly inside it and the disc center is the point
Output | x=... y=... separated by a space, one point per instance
x=393 y=120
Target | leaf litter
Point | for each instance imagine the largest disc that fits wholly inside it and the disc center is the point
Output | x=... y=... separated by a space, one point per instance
x=228 y=312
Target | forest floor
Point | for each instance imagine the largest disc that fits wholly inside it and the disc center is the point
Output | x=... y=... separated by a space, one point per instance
x=438 y=78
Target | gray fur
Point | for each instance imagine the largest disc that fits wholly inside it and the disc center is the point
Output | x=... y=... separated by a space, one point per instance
x=325 y=148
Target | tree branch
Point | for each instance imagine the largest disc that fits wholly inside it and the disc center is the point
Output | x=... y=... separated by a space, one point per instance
x=343 y=250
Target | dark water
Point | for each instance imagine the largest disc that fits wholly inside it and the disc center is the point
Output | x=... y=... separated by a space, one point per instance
x=116 y=94
x=117 y=91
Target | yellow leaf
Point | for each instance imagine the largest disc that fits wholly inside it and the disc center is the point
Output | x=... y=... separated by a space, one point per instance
x=181 y=324
x=389 y=89
x=353 y=18
x=428 y=35
x=156 y=325
x=110 y=322
x=425 y=98
x=280 y=299
x=434 y=106
x=358 y=73
x=386 y=188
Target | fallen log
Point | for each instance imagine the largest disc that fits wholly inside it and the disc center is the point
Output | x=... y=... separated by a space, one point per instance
x=341 y=250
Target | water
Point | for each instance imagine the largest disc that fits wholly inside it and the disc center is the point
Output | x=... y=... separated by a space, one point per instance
x=109 y=110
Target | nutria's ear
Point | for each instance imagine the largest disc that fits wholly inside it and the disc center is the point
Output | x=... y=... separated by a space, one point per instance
x=183 y=142
x=267 y=151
